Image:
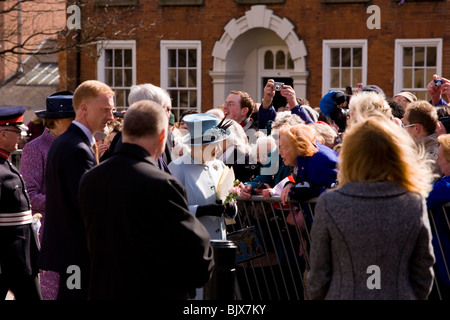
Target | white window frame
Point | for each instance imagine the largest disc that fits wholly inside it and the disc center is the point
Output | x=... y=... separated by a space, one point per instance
x=398 y=67
x=327 y=45
x=167 y=45
x=114 y=44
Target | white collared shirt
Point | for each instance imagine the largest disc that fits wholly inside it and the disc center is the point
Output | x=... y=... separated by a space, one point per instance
x=86 y=131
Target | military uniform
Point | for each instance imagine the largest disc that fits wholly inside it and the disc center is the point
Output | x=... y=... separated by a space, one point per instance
x=19 y=245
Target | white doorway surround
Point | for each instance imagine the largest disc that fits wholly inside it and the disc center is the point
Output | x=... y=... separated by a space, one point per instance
x=236 y=55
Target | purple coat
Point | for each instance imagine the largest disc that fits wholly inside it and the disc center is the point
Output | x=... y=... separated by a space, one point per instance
x=32 y=168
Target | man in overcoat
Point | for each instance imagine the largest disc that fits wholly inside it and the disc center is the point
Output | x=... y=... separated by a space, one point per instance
x=143 y=241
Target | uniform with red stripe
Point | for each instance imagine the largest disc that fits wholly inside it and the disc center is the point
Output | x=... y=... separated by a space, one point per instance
x=19 y=246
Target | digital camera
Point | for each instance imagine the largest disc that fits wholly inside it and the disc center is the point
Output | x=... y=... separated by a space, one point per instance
x=438 y=82
x=278 y=86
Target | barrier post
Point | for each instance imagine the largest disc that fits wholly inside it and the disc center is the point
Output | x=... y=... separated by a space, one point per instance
x=222 y=282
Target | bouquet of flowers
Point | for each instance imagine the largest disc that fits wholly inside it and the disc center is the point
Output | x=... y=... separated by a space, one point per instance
x=234 y=192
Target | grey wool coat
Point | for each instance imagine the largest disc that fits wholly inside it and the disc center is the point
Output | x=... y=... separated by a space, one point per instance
x=370 y=241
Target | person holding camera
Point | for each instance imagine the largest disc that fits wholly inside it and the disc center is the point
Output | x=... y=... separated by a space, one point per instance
x=267 y=111
x=436 y=88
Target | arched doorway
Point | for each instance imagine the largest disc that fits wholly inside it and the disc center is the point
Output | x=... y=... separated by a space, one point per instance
x=237 y=55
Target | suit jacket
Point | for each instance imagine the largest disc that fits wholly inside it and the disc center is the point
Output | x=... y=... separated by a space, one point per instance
x=366 y=224
x=143 y=241
x=64 y=236
x=164 y=159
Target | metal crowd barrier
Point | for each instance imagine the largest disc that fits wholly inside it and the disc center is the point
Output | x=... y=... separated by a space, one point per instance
x=440 y=228
x=273 y=249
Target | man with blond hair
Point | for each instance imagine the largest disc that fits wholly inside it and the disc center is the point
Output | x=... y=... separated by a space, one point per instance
x=64 y=248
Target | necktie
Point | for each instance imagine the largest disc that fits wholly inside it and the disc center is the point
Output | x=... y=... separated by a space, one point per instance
x=95 y=147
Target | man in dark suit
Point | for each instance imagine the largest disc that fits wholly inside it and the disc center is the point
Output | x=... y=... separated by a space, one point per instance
x=142 y=239
x=64 y=248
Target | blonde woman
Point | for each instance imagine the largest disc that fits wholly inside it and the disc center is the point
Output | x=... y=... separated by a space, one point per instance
x=313 y=163
x=371 y=237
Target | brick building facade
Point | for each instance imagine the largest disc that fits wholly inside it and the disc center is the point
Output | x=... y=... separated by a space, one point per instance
x=199 y=50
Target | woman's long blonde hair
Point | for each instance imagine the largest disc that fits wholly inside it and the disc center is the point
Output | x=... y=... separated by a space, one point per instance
x=376 y=149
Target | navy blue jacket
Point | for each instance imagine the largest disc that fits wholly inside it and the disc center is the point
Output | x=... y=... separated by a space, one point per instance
x=64 y=236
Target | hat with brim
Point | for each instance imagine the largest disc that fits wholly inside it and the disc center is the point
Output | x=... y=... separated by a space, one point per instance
x=203 y=129
x=407 y=95
x=13 y=116
x=59 y=106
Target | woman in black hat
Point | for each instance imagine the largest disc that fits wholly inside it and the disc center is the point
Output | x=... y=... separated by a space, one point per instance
x=56 y=118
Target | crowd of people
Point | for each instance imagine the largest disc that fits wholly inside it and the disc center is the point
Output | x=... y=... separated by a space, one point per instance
x=102 y=181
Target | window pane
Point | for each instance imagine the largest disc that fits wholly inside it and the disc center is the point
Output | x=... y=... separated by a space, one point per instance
x=118 y=78
x=128 y=81
x=407 y=78
x=118 y=55
x=421 y=95
x=357 y=77
x=120 y=97
x=419 y=53
x=172 y=58
x=192 y=58
x=346 y=80
x=128 y=58
x=108 y=58
x=127 y=93
x=108 y=77
x=182 y=58
x=357 y=57
x=431 y=56
x=268 y=60
x=335 y=78
x=192 y=78
x=184 y=99
x=281 y=61
x=346 y=57
x=407 y=56
x=429 y=74
x=182 y=78
x=193 y=99
x=174 y=95
x=172 y=77
x=419 y=81
x=335 y=57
